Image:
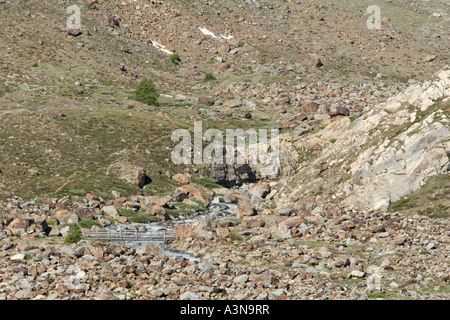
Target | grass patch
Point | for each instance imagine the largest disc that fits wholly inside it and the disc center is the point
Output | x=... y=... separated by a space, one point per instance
x=377 y=295
x=404 y=203
x=136 y=217
x=209 y=77
x=186 y=209
x=89 y=223
x=207 y=183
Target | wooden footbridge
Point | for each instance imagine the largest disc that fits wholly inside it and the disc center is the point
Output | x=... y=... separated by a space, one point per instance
x=130 y=235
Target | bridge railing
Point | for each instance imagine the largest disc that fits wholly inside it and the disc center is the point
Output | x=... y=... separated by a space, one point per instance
x=129 y=235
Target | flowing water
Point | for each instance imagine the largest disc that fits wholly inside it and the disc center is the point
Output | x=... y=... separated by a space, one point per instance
x=216 y=211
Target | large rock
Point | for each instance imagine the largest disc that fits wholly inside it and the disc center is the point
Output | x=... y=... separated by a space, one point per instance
x=229 y=176
x=157 y=210
x=245 y=208
x=18 y=226
x=65 y=216
x=181 y=178
x=110 y=211
x=195 y=191
x=310 y=107
x=261 y=189
x=207 y=101
x=131 y=173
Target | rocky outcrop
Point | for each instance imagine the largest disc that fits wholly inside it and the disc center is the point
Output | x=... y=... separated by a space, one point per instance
x=382 y=156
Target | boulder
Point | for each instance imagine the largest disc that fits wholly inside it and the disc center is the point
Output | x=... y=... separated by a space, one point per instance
x=181 y=178
x=18 y=226
x=131 y=173
x=310 y=107
x=110 y=211
x=223 y=65
x=207 y=101
x=245 y=208
x=261 y=189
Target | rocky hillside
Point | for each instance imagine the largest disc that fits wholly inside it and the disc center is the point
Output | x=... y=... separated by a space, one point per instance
x=363 y=190
x=375 y=160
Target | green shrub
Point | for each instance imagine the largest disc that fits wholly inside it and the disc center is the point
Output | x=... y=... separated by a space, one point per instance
x=74 y=236
x=209 y=77
x=206 y=182
x=127 y=213
x=146 y=92
x=88 y=223
x=175 y=58
x=136 y=217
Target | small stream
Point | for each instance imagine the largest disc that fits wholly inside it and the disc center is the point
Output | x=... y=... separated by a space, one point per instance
x=216 y=210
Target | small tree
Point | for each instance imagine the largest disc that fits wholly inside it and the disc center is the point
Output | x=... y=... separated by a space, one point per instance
x=146 y=92
x=74 y=236
x=175 y=58
x=209 y=77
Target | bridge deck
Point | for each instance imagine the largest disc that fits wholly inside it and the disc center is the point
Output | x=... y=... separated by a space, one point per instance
x=129 y=235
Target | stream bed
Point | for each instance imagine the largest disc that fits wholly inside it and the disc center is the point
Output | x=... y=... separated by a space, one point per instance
x=216 y=211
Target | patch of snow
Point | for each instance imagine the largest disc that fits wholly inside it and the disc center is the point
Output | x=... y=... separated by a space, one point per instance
x=160 y=47
x=206 y=32
x=227 y=37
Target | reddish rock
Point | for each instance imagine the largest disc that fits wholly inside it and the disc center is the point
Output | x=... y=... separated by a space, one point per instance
x=106 y=295
x=224 y=49
x=340 y=111
x=206 y=101
x=74 y=32
x=228 y=95
x=152 y=249
x=293 y=222
x=119 y=201
x=92 y=197
x=261 y=189
x=310 y=107
x=197 y=192
x=181 y=178
x=223 y=65
x=245 y=208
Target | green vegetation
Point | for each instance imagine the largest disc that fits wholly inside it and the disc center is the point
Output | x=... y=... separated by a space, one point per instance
x=413 y=132
x=209 y=77
x=206 y=182
x=186 y=209
x=377 y=295
x=146 y=92
x=136 y=217
x=74 y=236
x=175 y=58
x=404 y=203
x=88 y=223
x=432 y=199
x=437 y=211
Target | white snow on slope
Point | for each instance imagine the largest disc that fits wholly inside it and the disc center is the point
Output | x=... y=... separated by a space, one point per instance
x=160 y=47
x=206 y=32
x=227 y=37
